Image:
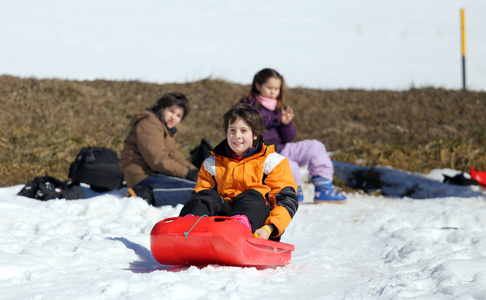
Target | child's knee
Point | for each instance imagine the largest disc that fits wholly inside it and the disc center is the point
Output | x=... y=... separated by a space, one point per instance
x=318 y=145
x=251 y=193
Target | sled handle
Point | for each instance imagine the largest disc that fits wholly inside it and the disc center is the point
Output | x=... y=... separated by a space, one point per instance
x=187 y=233
x=168 y=220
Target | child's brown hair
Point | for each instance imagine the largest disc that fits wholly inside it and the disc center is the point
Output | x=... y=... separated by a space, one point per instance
x=260 y=78
x=248 y=114
x=170 y=99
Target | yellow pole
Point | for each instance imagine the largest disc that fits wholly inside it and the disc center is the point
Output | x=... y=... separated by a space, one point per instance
x=463 y=40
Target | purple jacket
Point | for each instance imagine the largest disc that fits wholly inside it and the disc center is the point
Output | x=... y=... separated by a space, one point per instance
x=277 y=133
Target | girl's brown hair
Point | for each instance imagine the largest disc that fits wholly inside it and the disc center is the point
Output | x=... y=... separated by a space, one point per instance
x=248 y=114
x=170 y=99
x=260 y=78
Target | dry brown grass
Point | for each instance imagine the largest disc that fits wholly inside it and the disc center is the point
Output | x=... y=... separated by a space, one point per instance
x=46 y=122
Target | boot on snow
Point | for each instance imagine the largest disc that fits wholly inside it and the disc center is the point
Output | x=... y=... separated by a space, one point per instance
x=324 y=193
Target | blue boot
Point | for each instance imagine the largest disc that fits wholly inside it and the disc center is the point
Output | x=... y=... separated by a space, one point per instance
x=324 y=192
x=300 y=194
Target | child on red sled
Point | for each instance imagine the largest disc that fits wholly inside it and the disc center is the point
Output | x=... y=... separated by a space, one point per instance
x=245 y=179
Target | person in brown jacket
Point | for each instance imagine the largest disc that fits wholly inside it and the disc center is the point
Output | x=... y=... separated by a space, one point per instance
x=153 y=166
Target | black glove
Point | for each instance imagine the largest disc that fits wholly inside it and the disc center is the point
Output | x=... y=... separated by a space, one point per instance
x=192 y=175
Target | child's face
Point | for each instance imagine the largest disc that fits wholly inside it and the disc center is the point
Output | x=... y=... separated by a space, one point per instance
x=172 y=115
x=270 y=89
x=240 y=137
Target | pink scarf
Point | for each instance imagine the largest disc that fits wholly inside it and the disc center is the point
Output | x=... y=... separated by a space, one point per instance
x=268 y=103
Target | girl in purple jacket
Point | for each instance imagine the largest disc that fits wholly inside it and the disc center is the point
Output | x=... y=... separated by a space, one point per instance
x=267 y=95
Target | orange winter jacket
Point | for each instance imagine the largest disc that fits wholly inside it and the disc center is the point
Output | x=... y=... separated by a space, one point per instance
x=265 y=171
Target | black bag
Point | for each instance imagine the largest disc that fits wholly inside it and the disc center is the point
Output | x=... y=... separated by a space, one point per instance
x=200 y=153
x=98 y=167
x=47 y=187
x=459 y=179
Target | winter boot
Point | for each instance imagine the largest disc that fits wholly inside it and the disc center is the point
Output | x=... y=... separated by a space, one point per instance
x=243 y=219
x=324 y=192
x=300 y=194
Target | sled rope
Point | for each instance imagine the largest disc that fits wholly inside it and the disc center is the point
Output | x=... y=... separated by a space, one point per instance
x=187 y=233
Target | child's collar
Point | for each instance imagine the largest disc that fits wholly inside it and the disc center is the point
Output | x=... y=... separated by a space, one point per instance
x=248 y=153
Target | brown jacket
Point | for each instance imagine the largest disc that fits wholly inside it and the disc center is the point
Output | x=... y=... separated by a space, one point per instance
x=151 y=148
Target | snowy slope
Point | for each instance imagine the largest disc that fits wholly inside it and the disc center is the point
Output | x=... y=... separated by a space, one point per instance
x=428 y=245
x=371 y=247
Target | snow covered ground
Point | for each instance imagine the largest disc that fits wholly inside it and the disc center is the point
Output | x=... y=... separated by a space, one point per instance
x=370 y=248
x=428 y=245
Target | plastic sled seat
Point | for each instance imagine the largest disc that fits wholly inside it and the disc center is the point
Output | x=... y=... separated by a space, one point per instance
x=201 y=241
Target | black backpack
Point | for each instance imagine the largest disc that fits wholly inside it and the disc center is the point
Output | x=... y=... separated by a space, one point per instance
x=200 y=153
x=98 y=167
x=47 y=188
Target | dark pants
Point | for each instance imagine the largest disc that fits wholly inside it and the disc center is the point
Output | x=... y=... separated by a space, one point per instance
x=249 y=203
x=169 y=190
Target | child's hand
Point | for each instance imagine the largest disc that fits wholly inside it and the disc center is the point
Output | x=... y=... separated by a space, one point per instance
x=287 y=115
x=264 y=232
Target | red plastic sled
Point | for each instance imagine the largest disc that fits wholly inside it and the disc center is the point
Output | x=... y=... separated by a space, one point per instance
x=478 y=176
x=201 y=241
